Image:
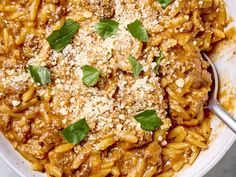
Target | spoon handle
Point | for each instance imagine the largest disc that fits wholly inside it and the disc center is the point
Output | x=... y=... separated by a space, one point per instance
x=223 y=115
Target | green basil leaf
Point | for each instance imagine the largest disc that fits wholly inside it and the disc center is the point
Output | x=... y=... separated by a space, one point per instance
x=106 y=28
x=158 y=61
x=138 y=31
x=90 y=75
x=76 y=132
x=136 y=66
x=164 y=3
x=40 y=74
x=149 y=120
x=59 y=39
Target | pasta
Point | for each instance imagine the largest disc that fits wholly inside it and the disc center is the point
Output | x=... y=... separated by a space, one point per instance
x=142 y=113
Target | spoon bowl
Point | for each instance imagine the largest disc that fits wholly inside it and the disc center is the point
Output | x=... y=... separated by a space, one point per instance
x=213 y=103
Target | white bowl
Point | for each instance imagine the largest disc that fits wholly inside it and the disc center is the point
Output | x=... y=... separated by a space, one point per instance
x=221 y=139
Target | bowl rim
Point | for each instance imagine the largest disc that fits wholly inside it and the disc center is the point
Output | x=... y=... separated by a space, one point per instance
x=219 y=156
x=11 y=165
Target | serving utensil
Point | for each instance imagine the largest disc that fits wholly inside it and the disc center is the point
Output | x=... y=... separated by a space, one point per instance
x=213 y=103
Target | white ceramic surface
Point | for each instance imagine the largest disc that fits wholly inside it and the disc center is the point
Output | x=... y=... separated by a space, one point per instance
x=6 y=171
x=222 y=137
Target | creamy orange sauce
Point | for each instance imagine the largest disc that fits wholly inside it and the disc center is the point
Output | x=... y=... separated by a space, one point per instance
x=116 y=144
x=230 y=33
x=229 y=104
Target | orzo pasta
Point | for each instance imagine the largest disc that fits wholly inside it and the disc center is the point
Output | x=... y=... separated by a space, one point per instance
x=107 y=88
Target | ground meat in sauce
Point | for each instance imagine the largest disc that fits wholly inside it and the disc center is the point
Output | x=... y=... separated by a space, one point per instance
x=103 y=8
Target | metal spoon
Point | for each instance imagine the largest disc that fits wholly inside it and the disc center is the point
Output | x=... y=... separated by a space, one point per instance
x=213 y=103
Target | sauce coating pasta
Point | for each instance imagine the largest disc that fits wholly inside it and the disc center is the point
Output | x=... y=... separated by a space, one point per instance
x=141 y=96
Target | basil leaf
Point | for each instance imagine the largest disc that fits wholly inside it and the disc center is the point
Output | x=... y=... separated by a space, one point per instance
x=136 y=66
x=107 y=28
x=158 y=61
x=59 y=39
x=90 y=75
x=164 y=3
x=138 y=31
x=76 y=132
x=149 y=120
x=40 y=74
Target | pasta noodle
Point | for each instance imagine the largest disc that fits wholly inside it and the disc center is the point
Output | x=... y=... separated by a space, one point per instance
x=173 y=81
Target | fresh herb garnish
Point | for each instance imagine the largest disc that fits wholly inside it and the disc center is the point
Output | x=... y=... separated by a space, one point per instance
x=136 y=66
x=158 y=61
x=90 y=75
x=59 y=39
x=138 y=31
x=76 y=132
x=164 y=3
x=149 y=120
x=40 y=74
x=106 y=28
